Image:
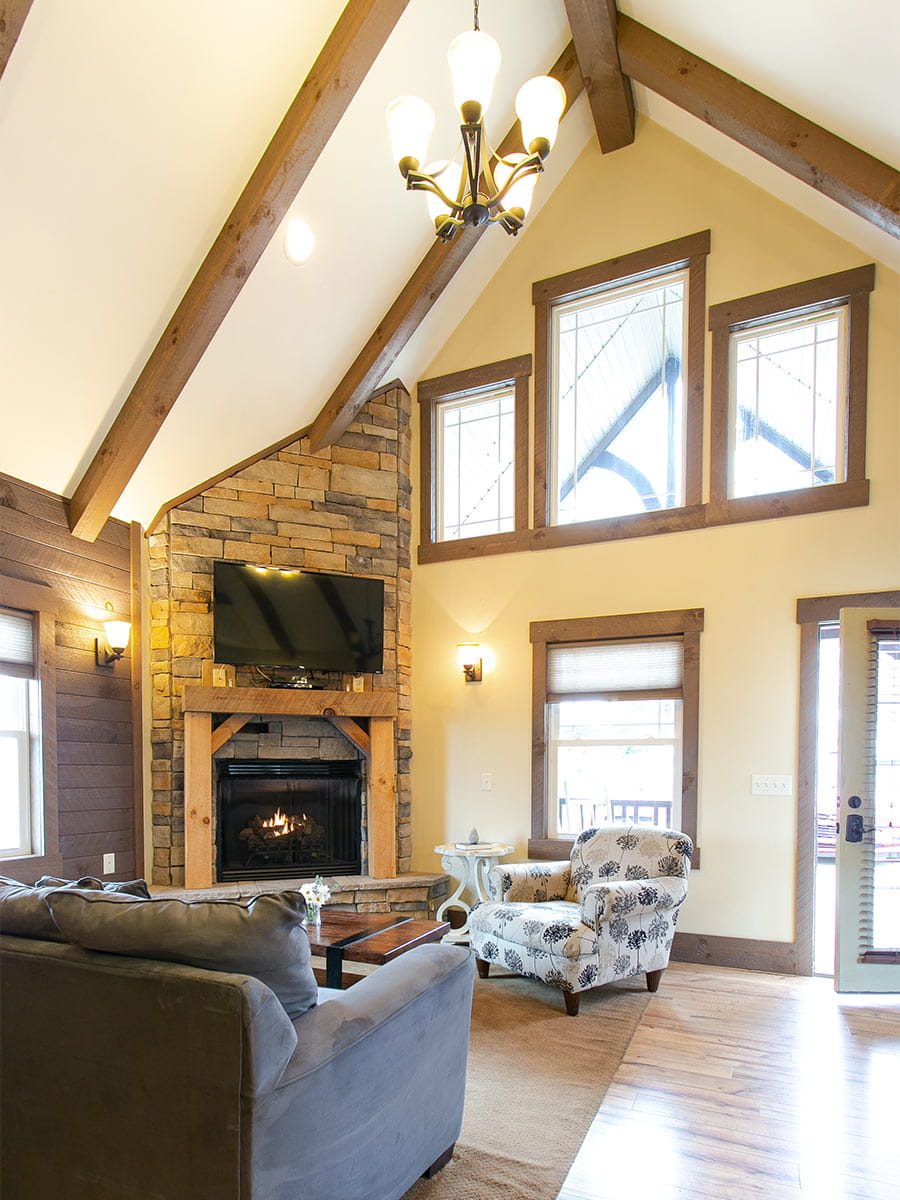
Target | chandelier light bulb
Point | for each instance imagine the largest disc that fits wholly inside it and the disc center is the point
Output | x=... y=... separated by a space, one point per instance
x=474 y=59
x=410 y=125
x=521 y=193
x=539 y=105
x=447 y=176
x=299 y=241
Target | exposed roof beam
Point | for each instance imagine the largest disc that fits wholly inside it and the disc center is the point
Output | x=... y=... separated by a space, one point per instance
x=424 y=287
x=593 y=25
x=362 y=29
x=12 y=18
x=864 y=184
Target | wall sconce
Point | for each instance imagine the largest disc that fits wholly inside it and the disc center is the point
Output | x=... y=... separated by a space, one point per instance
x=469 y=657
x=112 y=645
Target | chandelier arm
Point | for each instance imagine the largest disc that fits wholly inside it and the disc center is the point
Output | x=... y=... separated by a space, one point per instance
x=418 y=181
x=529 y=166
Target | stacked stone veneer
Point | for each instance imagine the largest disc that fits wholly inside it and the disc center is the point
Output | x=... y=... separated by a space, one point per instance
x=346 y=510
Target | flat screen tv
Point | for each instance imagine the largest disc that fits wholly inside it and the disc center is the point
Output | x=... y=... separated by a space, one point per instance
x=264 y=617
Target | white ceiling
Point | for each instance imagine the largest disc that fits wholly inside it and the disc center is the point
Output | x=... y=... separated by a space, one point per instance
x=128 y=129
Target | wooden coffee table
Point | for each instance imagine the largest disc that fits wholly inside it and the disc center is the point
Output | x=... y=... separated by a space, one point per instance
x=367 y=938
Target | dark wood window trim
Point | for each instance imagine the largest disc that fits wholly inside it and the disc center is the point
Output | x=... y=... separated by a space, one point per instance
x=689 y=252
x=846 y=287
x=34 y=598
x=811 y=613
x=431 y=393
x=685 y=622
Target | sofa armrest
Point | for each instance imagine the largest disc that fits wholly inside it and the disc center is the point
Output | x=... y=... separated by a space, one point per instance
x=603 y=902
x=374 y=1091
x=530 y=882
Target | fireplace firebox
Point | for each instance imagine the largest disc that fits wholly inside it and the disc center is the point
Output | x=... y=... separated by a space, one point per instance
x=288 y=818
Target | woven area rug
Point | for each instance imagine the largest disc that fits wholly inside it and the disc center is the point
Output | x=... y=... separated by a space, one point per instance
x=536 y=1079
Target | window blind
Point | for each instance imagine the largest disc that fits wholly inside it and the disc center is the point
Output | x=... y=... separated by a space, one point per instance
x=882 y=702
x=624 y=669
x=16 y=643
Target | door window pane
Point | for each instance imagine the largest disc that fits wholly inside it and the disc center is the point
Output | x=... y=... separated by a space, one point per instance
x=886 y=891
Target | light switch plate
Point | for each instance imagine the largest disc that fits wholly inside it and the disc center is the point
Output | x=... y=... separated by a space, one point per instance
x=487 y=781
x=109 y=864
x=771 y=785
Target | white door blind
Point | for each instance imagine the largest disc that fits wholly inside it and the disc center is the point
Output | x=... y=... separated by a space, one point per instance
x=627 y=668
x=16 y=643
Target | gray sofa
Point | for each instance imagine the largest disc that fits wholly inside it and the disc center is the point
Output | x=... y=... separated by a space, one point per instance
x=129 y=1079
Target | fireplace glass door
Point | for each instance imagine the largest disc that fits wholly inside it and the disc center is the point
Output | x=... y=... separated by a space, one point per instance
x=288 y=819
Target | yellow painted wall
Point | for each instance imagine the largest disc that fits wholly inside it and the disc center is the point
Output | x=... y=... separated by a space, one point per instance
x=746 y=577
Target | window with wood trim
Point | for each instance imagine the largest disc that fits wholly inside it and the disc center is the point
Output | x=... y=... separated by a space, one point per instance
x=29 y=814
x=21 y=789
x=789 y=398
x=474 y=446
x=619 y=388
x=616 y=710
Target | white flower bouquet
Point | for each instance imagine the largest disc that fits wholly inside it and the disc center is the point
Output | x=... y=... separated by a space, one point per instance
x=315 y=894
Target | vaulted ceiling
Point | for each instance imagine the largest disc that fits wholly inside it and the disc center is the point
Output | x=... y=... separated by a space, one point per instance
x=128 y=130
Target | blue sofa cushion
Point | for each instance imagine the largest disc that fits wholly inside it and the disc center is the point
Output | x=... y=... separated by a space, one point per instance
x=262 y=936
x=24 y=911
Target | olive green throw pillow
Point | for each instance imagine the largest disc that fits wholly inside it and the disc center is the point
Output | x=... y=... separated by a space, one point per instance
x=24 y=911
x=263 y=936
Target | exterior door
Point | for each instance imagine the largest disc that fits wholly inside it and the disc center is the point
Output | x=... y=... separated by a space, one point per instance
x=868 y=846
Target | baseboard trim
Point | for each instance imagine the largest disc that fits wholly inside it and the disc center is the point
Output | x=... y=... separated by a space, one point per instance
x=749 y=954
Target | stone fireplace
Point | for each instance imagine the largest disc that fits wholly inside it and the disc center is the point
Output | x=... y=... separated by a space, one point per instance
x=344 y=509
x=288 y=819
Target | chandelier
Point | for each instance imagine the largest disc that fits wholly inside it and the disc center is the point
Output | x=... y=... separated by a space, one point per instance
x=486 y=187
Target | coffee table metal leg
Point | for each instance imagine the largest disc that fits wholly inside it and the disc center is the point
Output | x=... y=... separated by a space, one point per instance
x=334 y=967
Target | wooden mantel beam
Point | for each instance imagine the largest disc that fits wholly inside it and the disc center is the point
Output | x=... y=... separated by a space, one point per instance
x=593 y=25
x=420 y=293
x=864 y=184
x=362 y=29
x=12 y=18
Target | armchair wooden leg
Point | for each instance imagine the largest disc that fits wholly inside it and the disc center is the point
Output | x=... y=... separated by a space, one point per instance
x=653 y=978
x=572 y=999
x=439 y=1163
x=484 y=967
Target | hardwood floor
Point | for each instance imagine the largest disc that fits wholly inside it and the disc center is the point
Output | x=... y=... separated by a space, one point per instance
x=739 y=1085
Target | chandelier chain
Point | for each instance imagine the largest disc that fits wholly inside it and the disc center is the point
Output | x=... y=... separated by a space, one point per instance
x=477 y=26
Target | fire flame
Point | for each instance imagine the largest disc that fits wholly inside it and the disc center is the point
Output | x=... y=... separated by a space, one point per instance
x=280 y=822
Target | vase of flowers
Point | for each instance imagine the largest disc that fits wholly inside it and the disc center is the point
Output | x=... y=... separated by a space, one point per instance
x=315 y=894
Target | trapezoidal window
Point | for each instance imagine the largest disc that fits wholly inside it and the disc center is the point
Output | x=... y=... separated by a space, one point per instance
x=475 y=459
x=618 y=411
x=788 y=404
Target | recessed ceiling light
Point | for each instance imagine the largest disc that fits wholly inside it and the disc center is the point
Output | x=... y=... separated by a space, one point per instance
x=299 y=241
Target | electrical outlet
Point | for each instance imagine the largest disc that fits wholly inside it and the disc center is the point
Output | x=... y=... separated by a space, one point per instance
x=771 y=785
x=109 y=864
x=487 y=781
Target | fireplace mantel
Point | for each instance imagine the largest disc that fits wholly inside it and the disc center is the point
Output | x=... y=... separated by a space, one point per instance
x=241 y=705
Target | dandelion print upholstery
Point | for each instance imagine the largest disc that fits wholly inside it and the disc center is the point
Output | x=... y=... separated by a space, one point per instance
x=607 y=913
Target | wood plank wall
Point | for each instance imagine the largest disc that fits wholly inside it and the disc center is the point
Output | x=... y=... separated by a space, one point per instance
x=98 y=709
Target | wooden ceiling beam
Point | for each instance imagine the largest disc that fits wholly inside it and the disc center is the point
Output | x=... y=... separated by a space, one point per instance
x=361 y=30
x=418 y=296
x=857 y=180
x=593 y=25
x=12 y=18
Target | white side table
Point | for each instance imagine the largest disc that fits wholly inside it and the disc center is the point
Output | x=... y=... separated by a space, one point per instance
x=472 y=867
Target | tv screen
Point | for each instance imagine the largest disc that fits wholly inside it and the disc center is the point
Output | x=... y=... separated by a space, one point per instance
x=269 y=618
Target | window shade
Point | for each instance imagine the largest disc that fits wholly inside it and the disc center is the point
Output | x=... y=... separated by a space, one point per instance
x=16 y=643
x=615 y=668
x=877 y=929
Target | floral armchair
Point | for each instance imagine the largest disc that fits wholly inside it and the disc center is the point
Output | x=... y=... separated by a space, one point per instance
x=607 y=913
